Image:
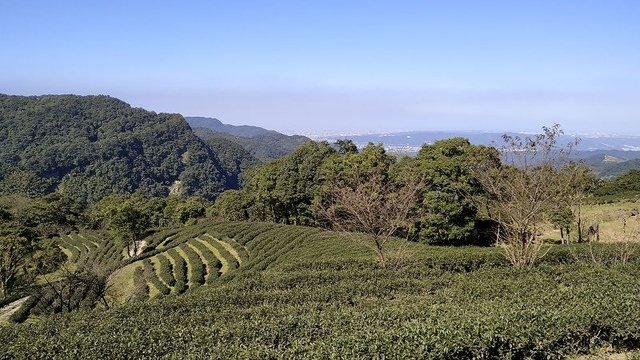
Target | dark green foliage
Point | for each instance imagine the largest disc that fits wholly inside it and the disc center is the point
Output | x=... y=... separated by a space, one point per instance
x=88 y=147
x=140 y=286
x=625 y=187
x=282 y=190
x=165 y=270
x=190 y=209
x=152 y=278
x=197 y=270
x=179 y=271
x=448 y=217
x=233 y=205
x=234 y=158
x=295 y=189
x=263 y=146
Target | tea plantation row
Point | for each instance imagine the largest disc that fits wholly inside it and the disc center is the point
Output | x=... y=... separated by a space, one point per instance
x=303 y=293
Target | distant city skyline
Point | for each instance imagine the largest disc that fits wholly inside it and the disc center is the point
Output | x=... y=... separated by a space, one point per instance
x=340 y=67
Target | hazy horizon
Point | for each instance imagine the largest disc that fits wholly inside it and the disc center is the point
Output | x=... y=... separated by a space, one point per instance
x=335 y=67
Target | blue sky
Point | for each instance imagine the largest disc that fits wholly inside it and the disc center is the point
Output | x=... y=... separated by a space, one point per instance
x=339 y=66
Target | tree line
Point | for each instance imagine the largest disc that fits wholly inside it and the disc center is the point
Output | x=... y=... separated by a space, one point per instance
x=450 y=193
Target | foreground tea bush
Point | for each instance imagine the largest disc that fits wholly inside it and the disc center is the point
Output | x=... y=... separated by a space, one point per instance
x=550 y=312
x=302 y=293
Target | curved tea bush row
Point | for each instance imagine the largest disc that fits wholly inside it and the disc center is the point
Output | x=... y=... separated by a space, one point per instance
x=75 y=253
x=140 y=286
x=232 y=262
x=179 y=271
x=272 y=254
x=165 y=270
x=240 y=250
x=197 y=270
x=160 y=237
x=89 y=241
x=151 y=278
x=213 y=263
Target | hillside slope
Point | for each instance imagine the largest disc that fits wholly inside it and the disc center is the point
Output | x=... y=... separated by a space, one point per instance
x=262 y=144
x=91 y=146
x=276 y=291
x=219 y=127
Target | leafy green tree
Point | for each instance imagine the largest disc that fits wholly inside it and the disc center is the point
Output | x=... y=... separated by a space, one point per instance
x=346 y=146
x=90 y=147
x=232 y=205
x=25 y=183
x=563 y=219
x=190 y=209
x=447 y=215
x=15 y=255
x=283 y=190
x=125 y=217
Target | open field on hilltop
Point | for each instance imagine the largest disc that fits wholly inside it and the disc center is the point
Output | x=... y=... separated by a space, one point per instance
x=618 y=221
x=262 y=290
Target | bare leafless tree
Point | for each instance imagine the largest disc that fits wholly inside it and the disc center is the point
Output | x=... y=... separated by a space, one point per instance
x=372 y=205
x=522 y=193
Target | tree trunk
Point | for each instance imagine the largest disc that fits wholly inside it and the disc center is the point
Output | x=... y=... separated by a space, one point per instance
x=579 y=224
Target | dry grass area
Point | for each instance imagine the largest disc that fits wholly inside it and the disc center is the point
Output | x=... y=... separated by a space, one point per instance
x=609 y=354
x=618 y=222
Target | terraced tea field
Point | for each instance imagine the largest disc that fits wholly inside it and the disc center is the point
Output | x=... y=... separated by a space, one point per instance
x=261 y=290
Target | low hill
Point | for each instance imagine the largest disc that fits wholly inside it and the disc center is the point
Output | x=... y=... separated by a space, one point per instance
x=262 y=290
x=262 y=144
x=609 y=163
x=91 y=146
x=236 y=130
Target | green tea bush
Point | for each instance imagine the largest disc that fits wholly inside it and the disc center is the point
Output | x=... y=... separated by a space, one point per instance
x=552 y=311
x=307 y=294
x=231 y=261
x=197 y=270
x=213 y=263
x=165 y=270
x=151 y=278
x=179 y=271
x=75 y=253
x=241 y=250
x=24 y=310
x=140 y=286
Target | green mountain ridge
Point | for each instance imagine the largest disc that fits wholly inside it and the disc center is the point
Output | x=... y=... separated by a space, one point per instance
x=89 y=147
x=261 y=143
x=236 y=130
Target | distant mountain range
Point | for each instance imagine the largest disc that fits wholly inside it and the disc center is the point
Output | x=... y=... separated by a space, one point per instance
x=609 y=156
x=261 y=143
x=412 y=141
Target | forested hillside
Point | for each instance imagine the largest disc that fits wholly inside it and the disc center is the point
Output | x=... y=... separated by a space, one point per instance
x=219 y=127
x=264 y=145
x=88 y=147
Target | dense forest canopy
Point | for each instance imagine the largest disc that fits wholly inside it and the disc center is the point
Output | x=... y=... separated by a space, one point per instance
x=264 y=146
x=292 y=189
x=88 y=147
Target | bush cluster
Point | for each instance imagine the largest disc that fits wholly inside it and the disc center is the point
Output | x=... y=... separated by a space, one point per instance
x=179 y=271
